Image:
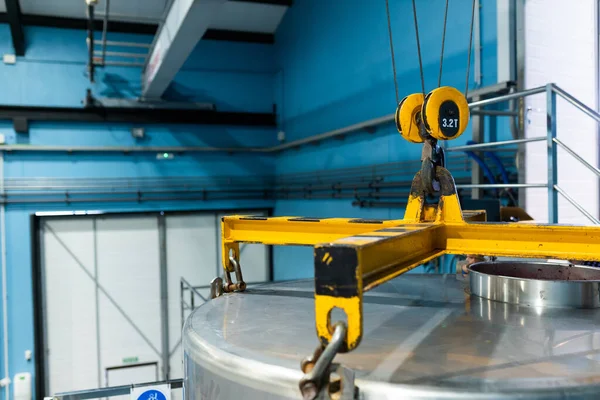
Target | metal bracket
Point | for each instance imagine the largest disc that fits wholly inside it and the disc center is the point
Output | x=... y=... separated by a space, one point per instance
x=216 y=288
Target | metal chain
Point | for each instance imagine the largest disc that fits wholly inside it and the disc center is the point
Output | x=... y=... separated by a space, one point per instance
x=470 y=47
x=443 y=43
x=317 y=367
x=418 y=46
x=387 y=9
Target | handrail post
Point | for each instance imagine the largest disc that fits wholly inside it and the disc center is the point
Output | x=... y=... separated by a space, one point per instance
x=552 y=159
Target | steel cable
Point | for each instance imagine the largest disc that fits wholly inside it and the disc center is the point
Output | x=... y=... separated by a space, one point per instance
x=414 y=4
x=387 y=8
x=470 y=47
x=443 y=43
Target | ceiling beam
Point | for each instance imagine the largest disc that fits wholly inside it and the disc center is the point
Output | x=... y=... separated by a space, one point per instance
x=186 y=23
x=81 y=23
x=136 y=27
x=21 y=115
x=14 y=19
x=239 y=36
x=285 y=3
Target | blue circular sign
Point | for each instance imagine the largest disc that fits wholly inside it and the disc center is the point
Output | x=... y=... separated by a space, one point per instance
x=151 y=395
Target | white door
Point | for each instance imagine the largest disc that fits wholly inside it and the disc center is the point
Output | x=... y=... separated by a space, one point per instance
x=128 y=257
x=102 y=297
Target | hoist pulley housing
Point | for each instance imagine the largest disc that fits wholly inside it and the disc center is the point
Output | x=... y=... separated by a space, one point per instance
x=443 y=114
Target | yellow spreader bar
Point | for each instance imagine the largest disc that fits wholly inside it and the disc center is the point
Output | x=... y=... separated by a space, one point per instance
x=354 y=255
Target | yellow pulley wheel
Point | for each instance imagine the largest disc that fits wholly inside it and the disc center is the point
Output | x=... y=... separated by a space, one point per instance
x=406 y=117
x=446 y=113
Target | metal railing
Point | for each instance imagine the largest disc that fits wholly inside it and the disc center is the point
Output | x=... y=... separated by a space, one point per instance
x=186 y=288
x=553 y=143
x=551 y=91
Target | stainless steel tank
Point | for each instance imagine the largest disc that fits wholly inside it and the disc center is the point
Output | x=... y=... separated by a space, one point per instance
x=425 y=337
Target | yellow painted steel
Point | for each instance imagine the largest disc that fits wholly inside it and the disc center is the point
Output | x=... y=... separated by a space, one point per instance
x=352 y=307
x=407 y=113
x=523 y=240
x=295 y=231
x=439 y=124
x=375 y=251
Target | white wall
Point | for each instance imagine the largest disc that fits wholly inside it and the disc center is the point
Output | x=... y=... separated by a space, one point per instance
x=561 y=47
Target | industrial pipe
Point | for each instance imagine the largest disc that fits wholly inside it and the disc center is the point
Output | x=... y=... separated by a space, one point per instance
x=6 y=378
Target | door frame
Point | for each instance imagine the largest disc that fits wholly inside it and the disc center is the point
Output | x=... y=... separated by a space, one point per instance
x=37 y=280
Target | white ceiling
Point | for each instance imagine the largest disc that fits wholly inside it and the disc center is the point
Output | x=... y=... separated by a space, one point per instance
x=236 y=15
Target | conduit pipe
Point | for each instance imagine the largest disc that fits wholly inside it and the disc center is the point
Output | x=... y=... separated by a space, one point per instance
x=6 y=379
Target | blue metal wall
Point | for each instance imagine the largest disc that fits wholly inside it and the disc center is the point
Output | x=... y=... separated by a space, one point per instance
x=330 y=68
x=235 y=76
x=335 y=70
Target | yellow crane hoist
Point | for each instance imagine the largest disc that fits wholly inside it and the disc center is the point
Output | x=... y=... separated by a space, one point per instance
x=352 y=256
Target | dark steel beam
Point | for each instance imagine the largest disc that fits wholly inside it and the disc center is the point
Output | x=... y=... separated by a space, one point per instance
x=14 y=19
x=285 y=3
x=81 y=23
x=136 y=27
x=135 y=115
x=239 y=36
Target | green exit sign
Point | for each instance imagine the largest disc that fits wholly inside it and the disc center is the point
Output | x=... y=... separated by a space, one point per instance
x=130 y=360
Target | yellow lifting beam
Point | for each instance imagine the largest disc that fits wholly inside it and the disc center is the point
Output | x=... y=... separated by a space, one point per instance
x=355 y=255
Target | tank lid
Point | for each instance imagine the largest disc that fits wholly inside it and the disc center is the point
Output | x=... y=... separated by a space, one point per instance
x=424 y=336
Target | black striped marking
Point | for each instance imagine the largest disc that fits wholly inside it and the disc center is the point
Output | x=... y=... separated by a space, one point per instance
x=371 y=236
x=305 y=219
x=253 y=218
x=406 y=228
x=365 y=221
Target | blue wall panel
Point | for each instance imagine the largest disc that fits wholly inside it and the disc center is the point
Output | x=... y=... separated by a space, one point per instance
x=330 y=68
x=235 y=76
x=336 y=70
